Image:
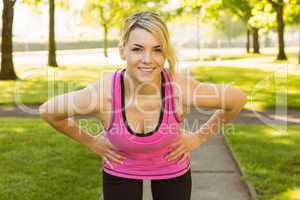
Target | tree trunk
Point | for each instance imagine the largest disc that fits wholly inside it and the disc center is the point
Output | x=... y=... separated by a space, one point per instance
x=105 y=41
x=7 y=66
x=280 y=29
x=52 y=47
x=255 y=40
x=248 y=41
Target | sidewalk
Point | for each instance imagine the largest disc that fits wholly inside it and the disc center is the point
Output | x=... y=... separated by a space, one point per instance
x=215 y=175
x=245 y=117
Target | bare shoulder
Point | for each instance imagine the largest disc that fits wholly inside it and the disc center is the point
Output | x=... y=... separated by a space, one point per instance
x=185 y=80
x=181 y=85
x=184 y=85
x=100 y=92
x=103 y=84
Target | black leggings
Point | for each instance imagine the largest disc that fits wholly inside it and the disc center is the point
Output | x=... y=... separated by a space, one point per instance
x=116 y=188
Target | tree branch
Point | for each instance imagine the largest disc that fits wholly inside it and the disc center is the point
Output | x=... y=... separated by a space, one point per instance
x=274 y=4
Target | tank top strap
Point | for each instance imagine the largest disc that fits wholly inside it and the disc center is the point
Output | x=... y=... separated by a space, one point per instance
x=113 y=101
x=117 y=92
x=170 y=97
x=167 y=90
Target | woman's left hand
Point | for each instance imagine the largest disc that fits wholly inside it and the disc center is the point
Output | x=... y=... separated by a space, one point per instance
x=186 y=143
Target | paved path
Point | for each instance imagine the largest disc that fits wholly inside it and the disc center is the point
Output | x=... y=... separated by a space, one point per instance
x=246 y=116
x=215 y=174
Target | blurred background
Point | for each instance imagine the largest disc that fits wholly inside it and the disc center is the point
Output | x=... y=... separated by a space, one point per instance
x=52 y=47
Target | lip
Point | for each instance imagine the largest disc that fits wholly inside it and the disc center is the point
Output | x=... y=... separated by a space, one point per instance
x=147 y=70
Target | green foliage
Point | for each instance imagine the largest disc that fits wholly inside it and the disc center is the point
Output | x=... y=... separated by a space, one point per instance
x=195 y=3
x=104 y=12
x=113 y=13
x=240 y=8
x=264 y=15
x=34 y=4
x=292 y=12
x=228 y=26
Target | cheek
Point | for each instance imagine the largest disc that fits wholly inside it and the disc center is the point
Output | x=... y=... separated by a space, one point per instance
x=160 y=60
x=133 y=58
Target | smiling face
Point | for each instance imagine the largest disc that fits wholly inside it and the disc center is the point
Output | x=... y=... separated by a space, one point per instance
x=144 y=56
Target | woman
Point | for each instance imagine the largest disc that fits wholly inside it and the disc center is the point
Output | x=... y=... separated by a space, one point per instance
x=141 y=107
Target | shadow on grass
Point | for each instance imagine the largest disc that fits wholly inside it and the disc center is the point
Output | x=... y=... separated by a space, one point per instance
x=261 y=87
x=271 y=158
x=49 y=82
x=37 y=162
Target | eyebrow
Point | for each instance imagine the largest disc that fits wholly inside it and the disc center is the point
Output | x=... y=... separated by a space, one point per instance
x=142 y=46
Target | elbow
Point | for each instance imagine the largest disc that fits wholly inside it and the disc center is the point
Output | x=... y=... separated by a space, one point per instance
x=241 y=99
x=46 y=112
x=43 y=111
x=237 y=99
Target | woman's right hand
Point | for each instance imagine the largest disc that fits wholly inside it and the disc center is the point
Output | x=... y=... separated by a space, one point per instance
x=103 y=147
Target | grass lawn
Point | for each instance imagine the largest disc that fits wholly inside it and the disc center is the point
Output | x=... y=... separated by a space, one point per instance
x=47 y=82
x=292 y=55
x=39 y=163
x=260 y=86
x=270 y=158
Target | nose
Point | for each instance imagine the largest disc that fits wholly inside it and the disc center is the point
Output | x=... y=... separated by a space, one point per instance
x=147 y=57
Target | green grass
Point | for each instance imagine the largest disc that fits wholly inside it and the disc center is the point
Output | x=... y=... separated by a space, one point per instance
x=214 y=57
x=36 y=89
x=291 y=55
x=270 y=158
x=37 y=162
x=260 y=86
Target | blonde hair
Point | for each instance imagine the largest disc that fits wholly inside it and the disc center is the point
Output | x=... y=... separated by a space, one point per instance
x=151 y=22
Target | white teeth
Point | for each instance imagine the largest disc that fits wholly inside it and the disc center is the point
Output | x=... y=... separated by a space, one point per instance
x=146 y=69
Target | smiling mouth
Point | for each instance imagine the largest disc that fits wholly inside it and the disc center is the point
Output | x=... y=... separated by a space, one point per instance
x=146 y=69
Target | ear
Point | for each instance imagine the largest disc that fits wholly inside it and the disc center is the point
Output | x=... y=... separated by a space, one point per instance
x=122 y=53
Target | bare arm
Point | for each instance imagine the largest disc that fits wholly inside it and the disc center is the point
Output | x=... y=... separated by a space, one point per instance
x=227 y=99
x=58 y=112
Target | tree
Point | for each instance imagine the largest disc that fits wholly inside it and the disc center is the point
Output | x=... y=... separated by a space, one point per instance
x=51 y=37
x=52 y=46
x=103 y=13
x=111 y=13
x=7 y=66
x=243 y=10
x=238 y=8
x=278 y=13
x=279 y=9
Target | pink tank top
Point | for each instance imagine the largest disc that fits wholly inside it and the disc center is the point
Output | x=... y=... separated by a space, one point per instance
x=144 y=152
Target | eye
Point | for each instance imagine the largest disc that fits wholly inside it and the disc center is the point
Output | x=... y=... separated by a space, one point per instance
x=158 y=50
x=136 y=49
